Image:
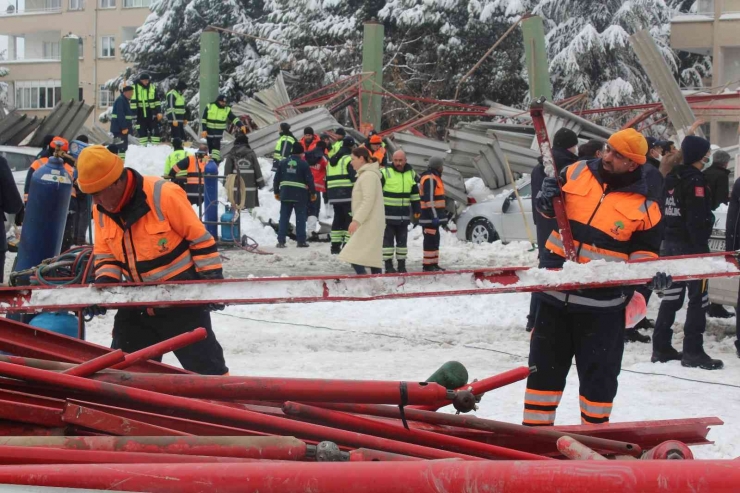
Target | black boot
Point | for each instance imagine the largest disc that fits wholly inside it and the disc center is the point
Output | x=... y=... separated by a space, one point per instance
x=336 y=248
x=402 y=267
x=633 y=335
x=389 y=267
x=701 y=360
x=716 y=310
x=666 y=355
x=432 y=268
x=645 y=324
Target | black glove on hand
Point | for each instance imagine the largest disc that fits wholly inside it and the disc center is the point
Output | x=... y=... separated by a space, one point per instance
x=550 y=189
x=216 y=307
x=93 y=311
x=660 y=283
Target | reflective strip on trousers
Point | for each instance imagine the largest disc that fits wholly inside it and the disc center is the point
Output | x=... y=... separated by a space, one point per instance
x=542 y=397
x=539 y=417
x=580 y=300
x=595 y=409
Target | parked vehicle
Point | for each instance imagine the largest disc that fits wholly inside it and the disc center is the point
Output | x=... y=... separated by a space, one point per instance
x=498 y=219
x=722 y=290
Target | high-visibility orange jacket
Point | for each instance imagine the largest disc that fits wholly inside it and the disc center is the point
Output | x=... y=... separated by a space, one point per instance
x=36 y=165
x=380 y=155
x=613 y=225
x=432 y=194
x=156 y=237
x=195 y=169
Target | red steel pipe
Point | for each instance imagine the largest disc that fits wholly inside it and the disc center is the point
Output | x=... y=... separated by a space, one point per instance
x=634 y=476
x=524 y=434
x=46 y=455
x=669 y=450
x=109 y=423
x=575 y=450
x=31 y=414
x=208 y=410
x=164 y=347
x=266 y=448
x=367 y=455
x=96 y=364
x=281 y=389
x=397 y=432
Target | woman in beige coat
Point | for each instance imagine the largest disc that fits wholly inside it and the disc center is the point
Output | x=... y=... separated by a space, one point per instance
x=365 y=246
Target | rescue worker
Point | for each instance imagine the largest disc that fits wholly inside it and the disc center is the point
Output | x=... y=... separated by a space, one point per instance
x=433 y=211
x=377 y=149
x=283 y=146
x=309 y=139
x=178 y=154
x=341 y=134
x=401 y=197
x=688 y=226
x=45 y=149
x=242 y=161
x=293 y=187
x=146 y=102
x=68 y=165
x=193 y=166
x=316 y=159
x=591 y=150
x=122 y=119
x=146 y=231
x=612 y=219
x=216 y=117
x=340 y=177
x=177 y=112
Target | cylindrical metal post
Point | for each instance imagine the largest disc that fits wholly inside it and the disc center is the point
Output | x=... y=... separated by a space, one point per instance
x=367 y=455
x=372 y=62
x=95 y=365
x=575 y=450
x=209 y=67
x=70 y=49
x=535 y=53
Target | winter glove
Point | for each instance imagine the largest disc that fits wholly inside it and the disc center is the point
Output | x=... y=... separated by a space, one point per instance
x=660 y=283
x=435 y=222
x=175 y=123
x=124 y=131
x=313 y=197
x=277 y=196
x=216 y=307
x=93 y=311
x=204 y=133
x=417 y=215
x=185 y=122
x=244 y=130
x=550 y=189
x=159 y=117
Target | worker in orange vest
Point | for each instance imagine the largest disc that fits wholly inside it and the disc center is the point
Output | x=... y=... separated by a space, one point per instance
x=433 y=211
x=194 y=165
x=377 y=150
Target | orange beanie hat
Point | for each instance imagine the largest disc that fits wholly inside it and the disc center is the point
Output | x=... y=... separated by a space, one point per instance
x=631 y=144
x=97 y=169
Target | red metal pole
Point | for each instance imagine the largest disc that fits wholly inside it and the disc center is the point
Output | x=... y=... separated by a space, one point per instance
x=397 y=432
x=183 y=405
x=96 y=364
x=13 y=428
x=46 y=455
x=523 y=434
x=366 y=455
x=707 y=476
x=670 y=450
x=110 y=423
x=266 y=448
x=31 y=414
x=164 y=347
x=281 y=389
x=575 y=450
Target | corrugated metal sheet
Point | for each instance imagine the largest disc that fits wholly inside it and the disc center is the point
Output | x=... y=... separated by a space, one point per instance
x=65 y=120
x=592 y=128
x=553 y=124
x=513 y=138
x=261 y=107
x=98 y=135
x=16 y=127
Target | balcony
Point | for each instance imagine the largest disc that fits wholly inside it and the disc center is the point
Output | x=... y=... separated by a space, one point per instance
x=32 y=7
x=37 y=47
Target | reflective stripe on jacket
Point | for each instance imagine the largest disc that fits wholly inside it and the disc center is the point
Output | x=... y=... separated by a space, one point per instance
x=145 y=101
x=432 y=194
x=339 y=181
x=400 y=194
x=217 y=119
x=283 y=147
x=193 y=172
x=175 y=106
x=174 y=158
x=156 y=237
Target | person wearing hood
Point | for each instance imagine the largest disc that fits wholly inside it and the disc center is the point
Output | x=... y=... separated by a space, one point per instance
x=242 y=161
x=146 y=102
x=688 y=226
x=177 y=111
x=433 y=211
x=216 y=117
x=122 y=120
x=612 y=219
x=283 y=146
x=365 y=246
x=401 y=199
x=340 y=177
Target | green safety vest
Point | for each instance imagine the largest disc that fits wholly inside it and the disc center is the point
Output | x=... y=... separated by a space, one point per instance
x=216 y=118
x=338 y=176
x=397 y=188
x=335 y=148
x=144 y=98
x=278 y=154
x=173 y=159
x=178 y=110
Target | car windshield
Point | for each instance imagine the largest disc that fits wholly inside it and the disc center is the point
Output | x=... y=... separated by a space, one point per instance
x=18 y=161
x=526 y=190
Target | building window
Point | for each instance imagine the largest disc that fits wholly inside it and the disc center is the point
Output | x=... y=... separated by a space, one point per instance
x=76 y=5
x=53 y=4
x=107 y=4
x=130 y=4
x=105 y=97
x=37 y=94
x=50 y=50
x=81 y=46
x=127 y=34
x=108 y=47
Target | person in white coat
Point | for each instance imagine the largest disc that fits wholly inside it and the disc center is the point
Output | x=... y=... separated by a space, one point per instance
x=365 y=246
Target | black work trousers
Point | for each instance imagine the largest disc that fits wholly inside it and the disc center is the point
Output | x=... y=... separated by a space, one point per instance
x=147 y=130
x=135 y=329
x=696 y=316
x=214 y=147
x=597 y=342
x=431 y=245
x=395 y=240
x=340 y=224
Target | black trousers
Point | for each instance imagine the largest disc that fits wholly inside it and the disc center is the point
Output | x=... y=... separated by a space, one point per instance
x=431 y=245
x=135 y=329
x=122 y=146
x=696 y=316
x=395 y=240
x=214 y=147
x=147 y=129
x=340 y=224
x=597 y=342
x=177 y=132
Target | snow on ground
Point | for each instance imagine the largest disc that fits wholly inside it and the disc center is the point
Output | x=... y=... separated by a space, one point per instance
x=409 y=339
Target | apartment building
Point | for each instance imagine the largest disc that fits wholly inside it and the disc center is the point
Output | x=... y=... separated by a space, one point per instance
x=715 y=30
x=34 y=29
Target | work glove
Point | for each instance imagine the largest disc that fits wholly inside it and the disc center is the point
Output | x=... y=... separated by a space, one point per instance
x=124 y=131
x=185 y=122
x=244 y=130
x=277 y=196
x=660 y=282
x=417 y=215
x=159 y=117
x=550 y=189
x=435 y=222
x=216 y=307
x=93 y=311
x=313 y=197
x=204 y=133
x=175 y=123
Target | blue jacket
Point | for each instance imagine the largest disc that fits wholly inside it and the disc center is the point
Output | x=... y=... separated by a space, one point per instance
x=122 y=116
x=294 y=180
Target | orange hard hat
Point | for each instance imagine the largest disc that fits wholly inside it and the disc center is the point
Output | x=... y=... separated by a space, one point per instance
x=375 y=139
x=65 y=143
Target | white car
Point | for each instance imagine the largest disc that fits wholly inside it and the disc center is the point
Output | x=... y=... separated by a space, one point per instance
x=722 y=290
x=499 y=218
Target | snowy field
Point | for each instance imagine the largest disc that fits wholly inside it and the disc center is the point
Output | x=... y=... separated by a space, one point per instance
x=409 y=339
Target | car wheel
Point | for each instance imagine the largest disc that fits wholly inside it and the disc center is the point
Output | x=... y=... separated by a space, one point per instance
x=480 y=230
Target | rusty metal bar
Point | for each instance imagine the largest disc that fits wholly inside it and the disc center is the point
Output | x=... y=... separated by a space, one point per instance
x=162 y=348
x=109 y=423
x=96 y=364
x=46 y=455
